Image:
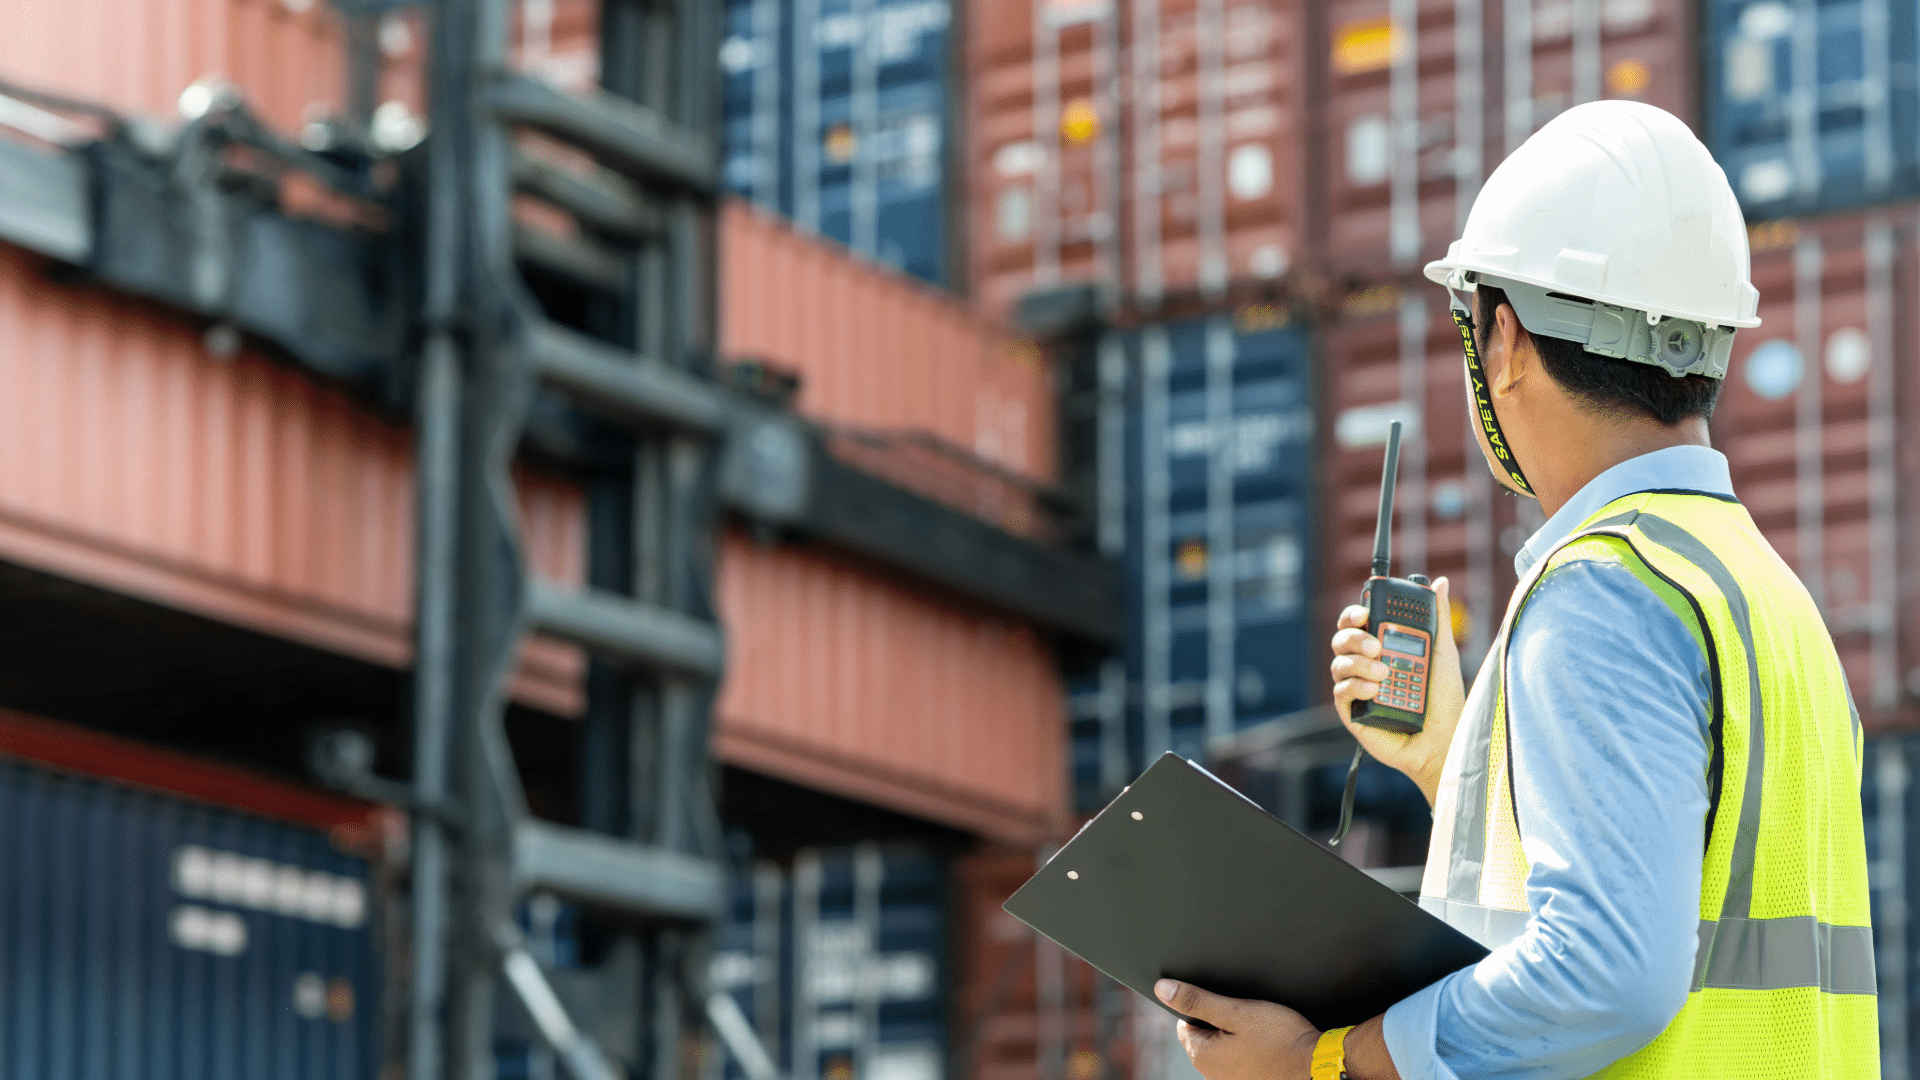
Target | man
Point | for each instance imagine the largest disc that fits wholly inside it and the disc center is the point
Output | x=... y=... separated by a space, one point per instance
x=1648 y=807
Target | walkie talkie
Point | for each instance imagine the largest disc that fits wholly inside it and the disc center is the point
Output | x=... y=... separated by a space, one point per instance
x=1403 y=613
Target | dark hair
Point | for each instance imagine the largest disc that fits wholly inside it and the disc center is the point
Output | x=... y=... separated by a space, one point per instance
x=1607 y=384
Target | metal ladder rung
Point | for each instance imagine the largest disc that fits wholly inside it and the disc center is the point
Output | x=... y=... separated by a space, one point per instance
x=626 y=630
x=624 y=385
x=605 y=202
x=580 y=260
x=623 y=135
x=611 y=872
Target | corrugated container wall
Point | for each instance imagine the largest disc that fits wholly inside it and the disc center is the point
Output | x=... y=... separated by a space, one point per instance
x=1200 y=199
x=1219 y=524
x=1814 y=107
x=237 y=489
x=288 y=57
x=878 y=353
x=145 y=935
x=837 y=114
x=844 y=678
x=1424 y=98
x=840 y=962
x=1809 y=420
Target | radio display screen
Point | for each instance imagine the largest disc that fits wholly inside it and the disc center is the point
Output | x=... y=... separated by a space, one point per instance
x=1401 y=642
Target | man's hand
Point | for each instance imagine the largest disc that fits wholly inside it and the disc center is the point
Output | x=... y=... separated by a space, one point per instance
x=1357 y=673
x=1256 y=1040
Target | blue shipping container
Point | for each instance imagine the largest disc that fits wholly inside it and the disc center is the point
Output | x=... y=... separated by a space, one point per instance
x=1814 y=107
x=840 y=963
x=1887 y=800
x=146 y=936
x=1213 y=438
x=835 y=115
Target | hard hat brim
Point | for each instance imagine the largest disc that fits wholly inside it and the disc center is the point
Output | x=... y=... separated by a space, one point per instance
x=1438 y=271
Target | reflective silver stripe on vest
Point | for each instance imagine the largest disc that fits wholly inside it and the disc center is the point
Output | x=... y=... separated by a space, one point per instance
x=1733 y=954
x=1781 y=954
x=1490 y=926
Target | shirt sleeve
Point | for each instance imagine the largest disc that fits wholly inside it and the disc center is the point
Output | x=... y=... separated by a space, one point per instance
x=1609 y=695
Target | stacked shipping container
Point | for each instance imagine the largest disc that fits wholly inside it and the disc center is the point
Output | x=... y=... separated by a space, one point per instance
x=1199 y=202
x=837 y=115
x=842 y=956
x=151 y=934
x=1218 y=518
x=1812 y=109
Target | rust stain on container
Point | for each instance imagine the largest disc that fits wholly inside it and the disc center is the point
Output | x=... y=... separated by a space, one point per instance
x=848 y=682
x=877 y=351
x=240 y=490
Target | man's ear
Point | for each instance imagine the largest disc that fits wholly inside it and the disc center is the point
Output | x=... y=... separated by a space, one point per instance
x=1509 y=351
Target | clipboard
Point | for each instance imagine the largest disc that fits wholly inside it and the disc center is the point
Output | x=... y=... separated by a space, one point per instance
x=1183 y=877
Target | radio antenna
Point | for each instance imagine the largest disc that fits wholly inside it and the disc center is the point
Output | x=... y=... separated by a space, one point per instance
x=1383 y=528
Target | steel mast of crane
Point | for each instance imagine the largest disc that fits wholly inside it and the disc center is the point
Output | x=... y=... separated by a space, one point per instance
x=654 y=863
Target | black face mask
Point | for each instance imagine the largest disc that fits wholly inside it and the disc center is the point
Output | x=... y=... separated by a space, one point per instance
x=1482 y=402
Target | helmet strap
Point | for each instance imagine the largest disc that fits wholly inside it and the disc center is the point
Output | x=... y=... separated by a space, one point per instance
x=1482 y=400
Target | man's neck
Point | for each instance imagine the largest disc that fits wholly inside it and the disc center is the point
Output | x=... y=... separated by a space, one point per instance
x=1590 y=448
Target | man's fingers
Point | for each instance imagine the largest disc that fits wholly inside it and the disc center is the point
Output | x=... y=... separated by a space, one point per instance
x=1349 y=666
x=1190 y=1000
x=1356 y=690
x=1199 y=1043
x=1356 y=641
x=1352 y=615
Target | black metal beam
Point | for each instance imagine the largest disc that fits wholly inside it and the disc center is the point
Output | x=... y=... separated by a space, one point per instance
x=623 y=135
x=1062 y=590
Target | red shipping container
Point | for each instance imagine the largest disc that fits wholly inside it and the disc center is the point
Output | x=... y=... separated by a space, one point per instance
x=878 y=351
x=288 y=57
x=840 y=676
x=845 y=680
x=1424 y=97
x=1198 y=202
x=237 y=489
x=1809 y=421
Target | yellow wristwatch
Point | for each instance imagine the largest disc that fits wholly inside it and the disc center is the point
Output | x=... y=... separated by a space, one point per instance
x=1330 y=1055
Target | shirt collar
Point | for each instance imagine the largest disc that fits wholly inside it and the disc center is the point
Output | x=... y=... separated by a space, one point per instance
x=1676 y=468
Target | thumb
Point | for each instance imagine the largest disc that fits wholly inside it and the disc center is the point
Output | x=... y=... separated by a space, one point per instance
x=1443 y=612
x=1189 y=1000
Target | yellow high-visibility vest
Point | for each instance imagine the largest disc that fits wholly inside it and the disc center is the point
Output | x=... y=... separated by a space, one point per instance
x=1783 y=981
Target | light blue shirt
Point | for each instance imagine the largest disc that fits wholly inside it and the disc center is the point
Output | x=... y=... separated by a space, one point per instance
x=1608 y=695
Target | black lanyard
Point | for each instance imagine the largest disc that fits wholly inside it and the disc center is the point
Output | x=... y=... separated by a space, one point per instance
x=1482 y=402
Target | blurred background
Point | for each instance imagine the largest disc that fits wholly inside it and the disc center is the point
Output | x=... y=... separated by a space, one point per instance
x=604 y=538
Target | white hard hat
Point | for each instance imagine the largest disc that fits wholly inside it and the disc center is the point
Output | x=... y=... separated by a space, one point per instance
x=1615 y=203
